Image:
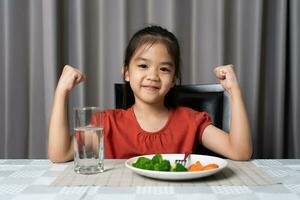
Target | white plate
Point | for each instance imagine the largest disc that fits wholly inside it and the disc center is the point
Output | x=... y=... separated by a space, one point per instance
x=204 y=160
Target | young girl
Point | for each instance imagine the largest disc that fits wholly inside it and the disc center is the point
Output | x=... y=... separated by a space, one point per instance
x=151 y=69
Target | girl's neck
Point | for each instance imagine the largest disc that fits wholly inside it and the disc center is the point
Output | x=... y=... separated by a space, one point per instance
x=143 y=109
x=151 y=118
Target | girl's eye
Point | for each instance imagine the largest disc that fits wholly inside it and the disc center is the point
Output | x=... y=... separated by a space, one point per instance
x=165 y=69
x=142 y=66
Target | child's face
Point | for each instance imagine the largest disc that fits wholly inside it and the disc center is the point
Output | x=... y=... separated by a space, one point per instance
x=151 y=73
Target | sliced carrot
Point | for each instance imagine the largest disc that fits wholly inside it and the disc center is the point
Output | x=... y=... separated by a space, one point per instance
x=199 y=163
x=210 y=166
x=197 y=166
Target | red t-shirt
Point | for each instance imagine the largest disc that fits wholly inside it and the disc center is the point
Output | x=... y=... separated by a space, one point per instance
x=124 y=138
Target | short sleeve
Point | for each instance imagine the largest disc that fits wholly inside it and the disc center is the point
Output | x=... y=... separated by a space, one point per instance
x=203 y=120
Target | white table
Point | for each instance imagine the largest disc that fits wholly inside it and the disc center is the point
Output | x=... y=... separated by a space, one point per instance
x=31 y=179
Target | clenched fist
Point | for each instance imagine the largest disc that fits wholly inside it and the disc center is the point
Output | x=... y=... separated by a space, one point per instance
x=227 y=78
x=69 y=78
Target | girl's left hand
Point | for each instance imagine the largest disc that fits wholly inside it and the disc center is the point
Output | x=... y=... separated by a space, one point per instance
x=227 y=77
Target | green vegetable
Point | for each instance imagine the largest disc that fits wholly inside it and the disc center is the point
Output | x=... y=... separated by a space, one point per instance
x=157 y=163
x=178 y=168
x=157 y=159
x=144 y=163
x=164 y=165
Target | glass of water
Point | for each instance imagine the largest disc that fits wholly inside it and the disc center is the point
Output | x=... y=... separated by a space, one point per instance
x=88 y=140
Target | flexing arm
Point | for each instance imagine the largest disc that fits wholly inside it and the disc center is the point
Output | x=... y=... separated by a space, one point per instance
x=236 y=145
x=60 y=144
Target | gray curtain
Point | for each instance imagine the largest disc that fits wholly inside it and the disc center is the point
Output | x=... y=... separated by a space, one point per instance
x=37 y=38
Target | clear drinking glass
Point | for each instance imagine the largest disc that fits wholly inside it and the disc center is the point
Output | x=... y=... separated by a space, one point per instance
x=88 y=140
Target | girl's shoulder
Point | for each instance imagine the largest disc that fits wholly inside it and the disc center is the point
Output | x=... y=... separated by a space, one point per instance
x=119 y=115
x=110 y=115
x=186 y=112
x=117 y=112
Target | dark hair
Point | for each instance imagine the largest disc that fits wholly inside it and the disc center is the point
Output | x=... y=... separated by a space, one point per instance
x=151 y=35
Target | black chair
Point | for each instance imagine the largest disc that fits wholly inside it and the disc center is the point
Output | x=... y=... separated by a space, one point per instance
x=210 y=98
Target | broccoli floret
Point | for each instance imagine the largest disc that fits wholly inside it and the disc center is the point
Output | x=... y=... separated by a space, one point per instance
x=157 y=163
x=178 y=168
x=164 y=165
x=157 y=159
x=144 y=163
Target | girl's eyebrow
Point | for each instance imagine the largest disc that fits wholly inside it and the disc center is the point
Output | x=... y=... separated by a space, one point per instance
x=163 y=63
x=167 y=63
x=141 y=58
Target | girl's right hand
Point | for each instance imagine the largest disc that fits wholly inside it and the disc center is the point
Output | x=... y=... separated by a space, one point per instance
x=69 y=78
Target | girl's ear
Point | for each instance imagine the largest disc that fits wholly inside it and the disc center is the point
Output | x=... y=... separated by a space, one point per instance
x=125 y=73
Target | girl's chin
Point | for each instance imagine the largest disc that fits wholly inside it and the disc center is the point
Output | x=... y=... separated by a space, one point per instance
x=151 y=100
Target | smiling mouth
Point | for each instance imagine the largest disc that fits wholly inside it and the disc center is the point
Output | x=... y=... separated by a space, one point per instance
x=150 y=88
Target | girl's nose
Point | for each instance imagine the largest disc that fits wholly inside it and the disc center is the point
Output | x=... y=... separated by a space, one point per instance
x=153 y=74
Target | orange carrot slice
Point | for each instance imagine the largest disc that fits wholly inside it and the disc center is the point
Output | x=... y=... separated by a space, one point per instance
x=210 y=166
x=197 y=166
